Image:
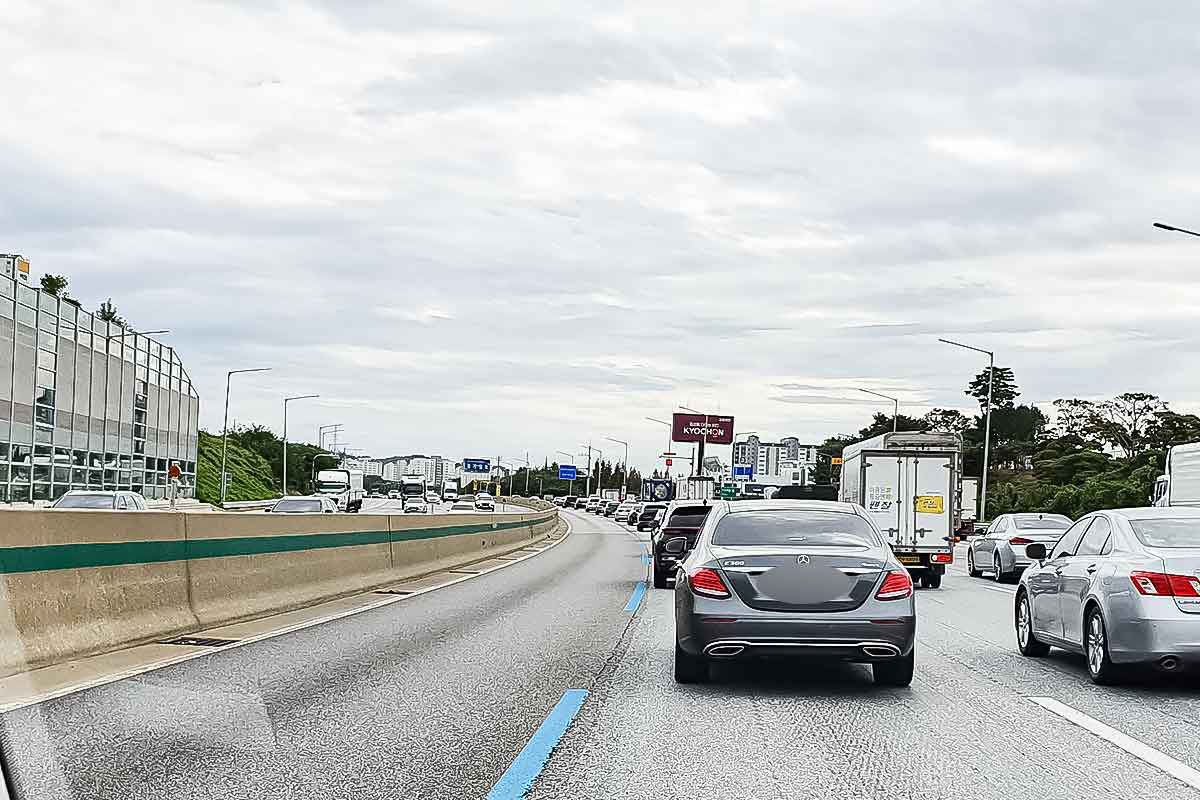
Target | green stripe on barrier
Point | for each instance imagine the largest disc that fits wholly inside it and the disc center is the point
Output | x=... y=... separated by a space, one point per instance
x=111 y=554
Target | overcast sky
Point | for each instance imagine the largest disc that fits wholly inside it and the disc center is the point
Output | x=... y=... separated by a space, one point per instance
x=479 y=228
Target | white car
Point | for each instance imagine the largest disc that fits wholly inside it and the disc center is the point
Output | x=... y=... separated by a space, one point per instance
x=623 y=511
x=416 y=506
x=307 y=504
x=463 y=505
x=393 y=495
x=101 y=501
x=432 y=498
x=484 y=502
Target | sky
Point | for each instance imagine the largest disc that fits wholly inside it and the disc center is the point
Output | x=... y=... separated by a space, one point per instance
x=484 y=229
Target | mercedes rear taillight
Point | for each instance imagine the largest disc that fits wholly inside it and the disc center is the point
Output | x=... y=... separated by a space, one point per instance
x=707 y=583
x=896 y=586
x=1165 y=584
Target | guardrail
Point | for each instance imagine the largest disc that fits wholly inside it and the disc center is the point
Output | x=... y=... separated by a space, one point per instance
x=83 y=582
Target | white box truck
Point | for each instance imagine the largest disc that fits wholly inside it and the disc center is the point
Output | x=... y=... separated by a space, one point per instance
x=345 y=486
x=909 y=484
x=1179 y=485
x=450 y=490
x=412 y=487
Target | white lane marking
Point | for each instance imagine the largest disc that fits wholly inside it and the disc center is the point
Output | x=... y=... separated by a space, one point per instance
x=1135 y=747
x=92 y=683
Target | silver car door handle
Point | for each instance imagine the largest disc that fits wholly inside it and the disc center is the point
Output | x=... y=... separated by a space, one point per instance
x=1091 y=569
x=1058 y=571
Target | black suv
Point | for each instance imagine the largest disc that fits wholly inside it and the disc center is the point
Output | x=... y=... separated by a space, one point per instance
x=569 y=502
x=684 y=520
x=647 y=516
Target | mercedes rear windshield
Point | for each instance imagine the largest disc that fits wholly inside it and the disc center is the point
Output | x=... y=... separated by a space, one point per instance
x=794 y=528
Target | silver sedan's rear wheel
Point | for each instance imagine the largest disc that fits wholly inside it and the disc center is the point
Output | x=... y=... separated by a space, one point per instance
x=1095 y=647
x=1026 y=642
x=998 y=569
x=971 y=570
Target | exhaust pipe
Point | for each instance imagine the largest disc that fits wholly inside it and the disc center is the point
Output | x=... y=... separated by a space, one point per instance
x=1169 y=664
x=725 y=650
x=881 y=650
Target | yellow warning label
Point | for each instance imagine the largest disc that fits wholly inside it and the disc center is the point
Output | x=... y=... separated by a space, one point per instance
x=929 y=504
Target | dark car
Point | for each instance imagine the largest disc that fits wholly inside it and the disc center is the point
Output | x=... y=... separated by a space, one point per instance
x=608 y=507
x=682 y=520
x=792 y=578
x=647 y=515
x=569 y=502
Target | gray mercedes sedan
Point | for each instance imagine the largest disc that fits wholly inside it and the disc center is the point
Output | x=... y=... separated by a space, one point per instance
x=1122 y=587
x=792 y=578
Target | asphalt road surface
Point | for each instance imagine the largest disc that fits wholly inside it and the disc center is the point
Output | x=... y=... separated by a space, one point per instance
x=436 y=696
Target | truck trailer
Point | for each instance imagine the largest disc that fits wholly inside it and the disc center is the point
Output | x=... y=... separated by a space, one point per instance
x=909 y=484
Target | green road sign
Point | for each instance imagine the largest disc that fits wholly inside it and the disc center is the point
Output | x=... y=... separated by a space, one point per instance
x=728 y=491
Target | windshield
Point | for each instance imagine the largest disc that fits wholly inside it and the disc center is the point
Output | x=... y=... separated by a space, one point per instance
x=1167 y=532
x=331 y=487
x=297 y=506
x=1049 y=522
x=688 y=517
x=794 y=528
x=84 y=501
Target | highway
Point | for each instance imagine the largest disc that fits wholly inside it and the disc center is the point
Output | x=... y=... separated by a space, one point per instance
x=382 y=505
x=435 y=697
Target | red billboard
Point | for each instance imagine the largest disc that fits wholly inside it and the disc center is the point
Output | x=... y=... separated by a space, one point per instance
x=708 y=428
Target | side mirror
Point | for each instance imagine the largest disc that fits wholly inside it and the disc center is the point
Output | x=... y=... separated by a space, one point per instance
x=266 y=511
x=329 y=511
x=1036 y=551
x=676 y=546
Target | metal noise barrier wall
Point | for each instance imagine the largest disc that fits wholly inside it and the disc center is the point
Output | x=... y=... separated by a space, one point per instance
x=75 y=583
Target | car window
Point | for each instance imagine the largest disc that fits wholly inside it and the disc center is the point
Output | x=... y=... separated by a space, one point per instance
x=1070 y=540
x=121 y=504
x=298 y=506
x=1095 y=539
x=688 y=517
x=796 y=528
x=84 y=501
x=1167 y=531
x=1044 y=522
x=999 y=527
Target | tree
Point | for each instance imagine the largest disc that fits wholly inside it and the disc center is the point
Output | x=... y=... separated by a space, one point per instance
x=1170 y=429
x=55 y=285
x=882 y=423
x=108 y=312
x=1074 y=417
x=1124 y=421
x=1004 y=388
x=946 y=420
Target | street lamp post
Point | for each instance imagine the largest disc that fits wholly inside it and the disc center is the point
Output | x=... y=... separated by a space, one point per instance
x=225 y=425
x=987 y=426
x=527 y=473
x=324 y=429
x=624 y=466
x=895 y=405
x=287 y=400
x=664 y=422
x=1166 y=227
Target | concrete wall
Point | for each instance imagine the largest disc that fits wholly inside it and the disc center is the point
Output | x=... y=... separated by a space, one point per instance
x=74 y=583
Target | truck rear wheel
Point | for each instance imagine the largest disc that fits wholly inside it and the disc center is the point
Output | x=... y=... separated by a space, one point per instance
x=933 y=579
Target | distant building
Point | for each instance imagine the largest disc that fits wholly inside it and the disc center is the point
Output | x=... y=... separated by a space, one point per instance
x=783 y=463
x=369 y=466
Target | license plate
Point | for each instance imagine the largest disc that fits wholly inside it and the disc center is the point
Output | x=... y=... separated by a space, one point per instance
x=906 y=559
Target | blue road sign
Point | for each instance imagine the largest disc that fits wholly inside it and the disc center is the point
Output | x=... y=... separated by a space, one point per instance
x=566 y=472
x=477 y=466
x=743 y=471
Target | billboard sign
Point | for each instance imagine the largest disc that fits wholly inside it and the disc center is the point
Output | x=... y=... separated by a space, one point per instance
x=709 y=428
x=743 y=471
x=567 y=472
x=476 y=468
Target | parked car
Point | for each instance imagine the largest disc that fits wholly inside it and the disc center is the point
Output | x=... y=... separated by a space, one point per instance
x=306 y=504
x=1121 y=586
x=610 y=507
x=101 y=501
x=792 y=578
x=484 y=502
x=463 y=505
x=417 y=505
x=647 y=514
x=1002 y=548
x=682 y=520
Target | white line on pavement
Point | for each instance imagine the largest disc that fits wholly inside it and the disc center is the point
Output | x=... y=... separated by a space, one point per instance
x=1156 y=758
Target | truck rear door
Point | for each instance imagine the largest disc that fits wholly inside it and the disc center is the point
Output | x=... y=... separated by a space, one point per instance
x=881 y=493
x=927 y=518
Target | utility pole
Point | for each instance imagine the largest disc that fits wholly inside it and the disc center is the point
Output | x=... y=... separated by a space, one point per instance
x=287 y=400
x=624 y=467
x=527 y=473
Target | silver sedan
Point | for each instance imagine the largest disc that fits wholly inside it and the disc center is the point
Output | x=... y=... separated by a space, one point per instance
x=1002 y=548
x=1121 y=587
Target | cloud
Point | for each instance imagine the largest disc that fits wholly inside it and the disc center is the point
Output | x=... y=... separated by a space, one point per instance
x=476 y=227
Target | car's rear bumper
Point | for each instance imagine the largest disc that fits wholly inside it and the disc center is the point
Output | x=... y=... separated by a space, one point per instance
x=1141 y=640
x=856 y=639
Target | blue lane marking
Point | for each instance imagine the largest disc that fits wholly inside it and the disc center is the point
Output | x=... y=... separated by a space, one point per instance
x=635 y=599
x=518 y=779
x=645 y=559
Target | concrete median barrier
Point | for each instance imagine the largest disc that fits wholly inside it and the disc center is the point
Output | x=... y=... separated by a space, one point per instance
x=75 y=583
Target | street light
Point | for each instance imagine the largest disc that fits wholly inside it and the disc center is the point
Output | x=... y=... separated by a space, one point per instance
x=287 y=400
x=570 y=483
x=225 y=424
x=624 y=467
x=324 y=429
x=987 y=428
x=589 y=475
x=895 y=402
x=1166 y=227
